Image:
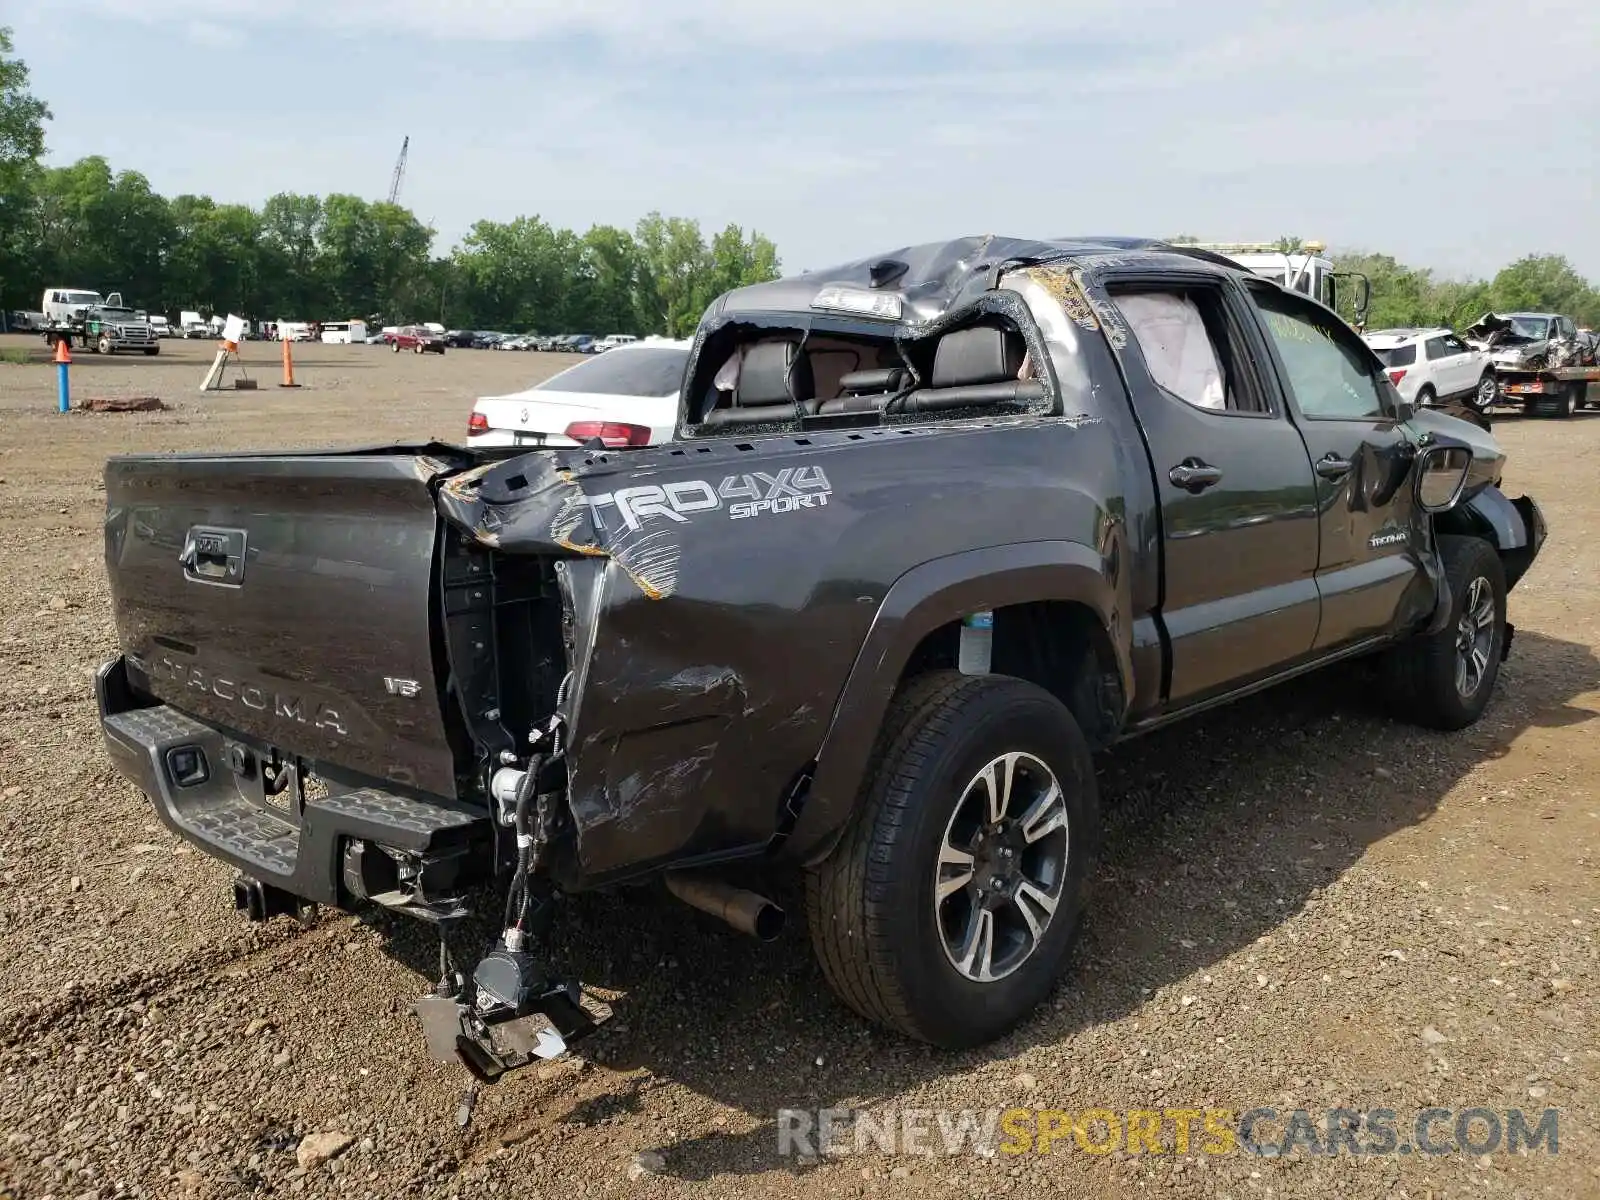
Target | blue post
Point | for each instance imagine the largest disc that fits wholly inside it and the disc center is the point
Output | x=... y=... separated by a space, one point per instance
x=63 y=391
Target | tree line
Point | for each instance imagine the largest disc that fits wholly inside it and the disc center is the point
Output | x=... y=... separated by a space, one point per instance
x=326 y=257
x=303 y=257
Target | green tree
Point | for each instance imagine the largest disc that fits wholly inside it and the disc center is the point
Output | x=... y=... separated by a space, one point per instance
x=611 y=263
x=22 y=118
x=674 y=275
x=291 y=228
x=1545 y=283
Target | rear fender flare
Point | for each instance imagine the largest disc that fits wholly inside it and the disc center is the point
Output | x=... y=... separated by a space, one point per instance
x=920 y=601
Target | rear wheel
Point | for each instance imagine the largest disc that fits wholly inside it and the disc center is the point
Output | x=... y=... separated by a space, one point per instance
x=1444 y=680
x=953 y=899
x=1426 y=396
x=417 y=349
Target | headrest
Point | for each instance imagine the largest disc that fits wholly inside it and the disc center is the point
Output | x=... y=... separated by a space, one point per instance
x=774 y=373
x=981 y=355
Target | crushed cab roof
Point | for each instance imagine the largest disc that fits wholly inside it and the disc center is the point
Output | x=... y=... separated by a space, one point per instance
x=936 y=275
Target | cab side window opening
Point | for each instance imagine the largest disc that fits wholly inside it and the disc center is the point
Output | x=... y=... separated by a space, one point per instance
x=1329 y=368
x=1185 y=340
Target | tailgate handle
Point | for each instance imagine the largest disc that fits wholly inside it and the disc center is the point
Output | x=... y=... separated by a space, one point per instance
x=213 y=555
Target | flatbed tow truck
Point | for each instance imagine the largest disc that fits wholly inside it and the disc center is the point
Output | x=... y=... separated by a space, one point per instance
x=1550 y=391
x=104 y=328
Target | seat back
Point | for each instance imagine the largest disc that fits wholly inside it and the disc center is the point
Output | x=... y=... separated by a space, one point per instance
x=973 y=367
x=775 y=383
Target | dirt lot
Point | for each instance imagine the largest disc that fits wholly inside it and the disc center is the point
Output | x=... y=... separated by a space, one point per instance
x=1302 y=905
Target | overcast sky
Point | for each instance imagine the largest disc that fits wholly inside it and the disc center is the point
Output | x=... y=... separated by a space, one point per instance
x=842 y=128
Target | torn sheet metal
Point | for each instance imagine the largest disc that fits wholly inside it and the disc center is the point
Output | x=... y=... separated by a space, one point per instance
x=538 y=503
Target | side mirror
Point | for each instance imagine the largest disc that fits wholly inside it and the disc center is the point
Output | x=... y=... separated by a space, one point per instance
x=1441 y=474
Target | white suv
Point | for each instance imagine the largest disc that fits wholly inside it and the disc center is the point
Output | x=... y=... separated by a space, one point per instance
x=1430 y=365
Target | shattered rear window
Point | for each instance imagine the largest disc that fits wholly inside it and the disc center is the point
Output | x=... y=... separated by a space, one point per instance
x=1397 y=356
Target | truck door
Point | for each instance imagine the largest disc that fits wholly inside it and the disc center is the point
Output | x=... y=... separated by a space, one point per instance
x=1237 y=495
x=1368 y=572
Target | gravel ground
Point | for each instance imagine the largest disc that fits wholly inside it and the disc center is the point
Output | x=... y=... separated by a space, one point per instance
x=1302 y=905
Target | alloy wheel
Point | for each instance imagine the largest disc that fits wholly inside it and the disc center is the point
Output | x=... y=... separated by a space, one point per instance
x=1002 y=867
x=1474 y=637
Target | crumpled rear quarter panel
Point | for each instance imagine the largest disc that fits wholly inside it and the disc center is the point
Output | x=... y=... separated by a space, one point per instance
x=710 y=648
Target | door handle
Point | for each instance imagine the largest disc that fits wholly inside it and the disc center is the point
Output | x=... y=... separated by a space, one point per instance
x=1331 y=466
x=1194 y=475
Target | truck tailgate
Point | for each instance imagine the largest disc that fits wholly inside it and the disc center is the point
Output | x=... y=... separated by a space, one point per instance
x=289 y=599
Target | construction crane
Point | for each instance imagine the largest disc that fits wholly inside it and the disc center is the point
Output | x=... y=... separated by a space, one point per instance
x=399 y=172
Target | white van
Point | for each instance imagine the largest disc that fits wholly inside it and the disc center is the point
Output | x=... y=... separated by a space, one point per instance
x=344 y=333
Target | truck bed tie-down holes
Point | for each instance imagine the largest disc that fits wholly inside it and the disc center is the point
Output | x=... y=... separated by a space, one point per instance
x=744 y=446
x=517 y=482
x=802 y=441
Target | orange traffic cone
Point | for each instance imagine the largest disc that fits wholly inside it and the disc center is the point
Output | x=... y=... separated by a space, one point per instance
x=288 y=366
x=63 y=351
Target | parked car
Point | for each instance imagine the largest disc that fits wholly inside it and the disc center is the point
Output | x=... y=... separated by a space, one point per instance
x=417 y=339
x=858 y=622
x=1430 y=365
x=625 y=399
x=613 y=340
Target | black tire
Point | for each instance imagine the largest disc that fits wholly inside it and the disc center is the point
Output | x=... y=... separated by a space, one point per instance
x=152 y=351
x=1421 y=674
x=1486 y=393
x=417 y=349
x=1426 y=396
x=870 y=906
x=395 y=346
x=104 y=346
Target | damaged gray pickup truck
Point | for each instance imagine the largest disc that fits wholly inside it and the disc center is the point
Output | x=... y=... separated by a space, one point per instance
x=935 y=526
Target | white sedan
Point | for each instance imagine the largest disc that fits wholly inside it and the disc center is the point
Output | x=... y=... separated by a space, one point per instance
x=628 y=397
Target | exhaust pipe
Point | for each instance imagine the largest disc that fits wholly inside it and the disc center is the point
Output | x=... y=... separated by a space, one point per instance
x=744 y=910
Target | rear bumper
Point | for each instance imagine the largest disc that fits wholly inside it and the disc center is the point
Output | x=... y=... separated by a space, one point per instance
x=360 y=844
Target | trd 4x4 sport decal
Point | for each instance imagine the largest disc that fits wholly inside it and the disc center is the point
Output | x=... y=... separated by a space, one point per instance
x=752 y=495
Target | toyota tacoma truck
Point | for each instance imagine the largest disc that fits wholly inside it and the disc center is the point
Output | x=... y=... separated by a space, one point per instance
x=934 y=528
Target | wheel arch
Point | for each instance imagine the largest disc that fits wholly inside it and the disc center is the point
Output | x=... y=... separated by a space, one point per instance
x=1059 y=606
x=1513 y=527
